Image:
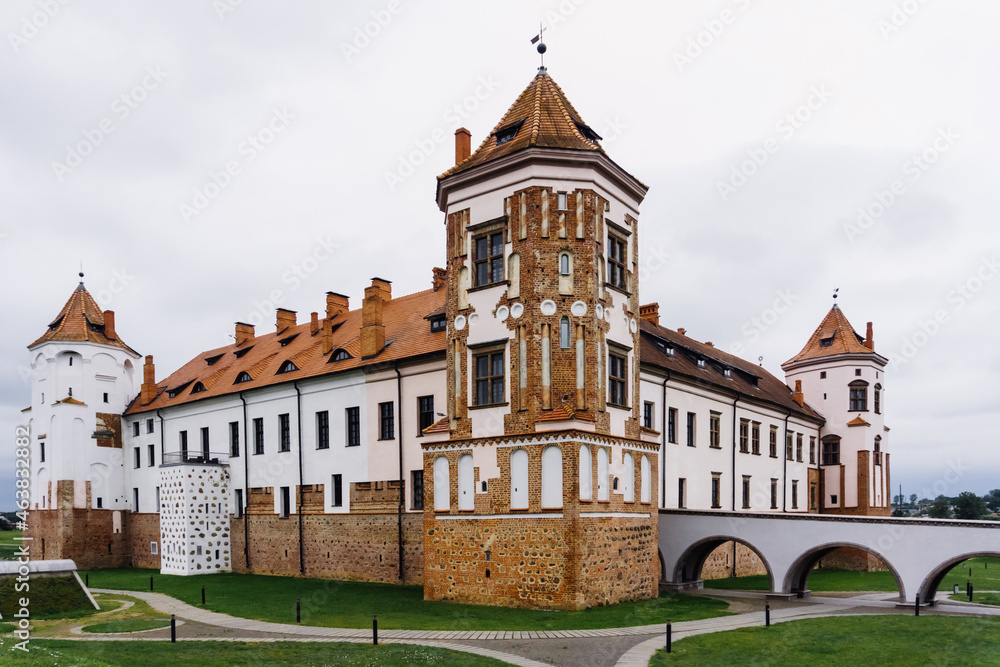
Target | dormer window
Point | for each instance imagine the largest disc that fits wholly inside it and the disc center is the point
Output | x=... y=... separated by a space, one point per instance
x=340 y=355
x=728 y=373
x=172 y=393
x=287 y=367
x=438 y=324
x=198 y=388
x=701 y=363
x=508 y=133
x=212 y=360
x=243 y=377
x=286 y=341
x=587 y=132
x=239 y=353
x=826 y=342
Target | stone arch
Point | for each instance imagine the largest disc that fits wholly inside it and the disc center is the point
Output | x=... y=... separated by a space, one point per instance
x=797 y=577
x=689 y=565
x=929 y=586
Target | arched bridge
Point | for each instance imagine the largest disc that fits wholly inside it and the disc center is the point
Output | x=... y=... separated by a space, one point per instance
x=918 y=552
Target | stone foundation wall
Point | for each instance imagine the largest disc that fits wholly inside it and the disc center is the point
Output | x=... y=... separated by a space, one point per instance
x=619 y=561
x=86 y=536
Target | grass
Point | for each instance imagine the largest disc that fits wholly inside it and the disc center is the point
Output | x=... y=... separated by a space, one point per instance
x=341 y=604
x=7 y=627
x=129 y=625
x=45 y=653
x=47 y=596
x=8 y=546
x=978 y=598
x=846 y=640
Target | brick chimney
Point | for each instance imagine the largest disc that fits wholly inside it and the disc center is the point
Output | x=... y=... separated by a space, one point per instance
x=870 y=338
x=384 y=286
x=709 y=343
x=313 y=324
x=650 y=312
x=336 y=304
x=327 y=336
x=463 y=144
x=109 y=325
x=148 y=391
x=440 y=278
x=372 y=329
x=244 y=333
x=284 y=319
x=682 y=331
x=797 y=394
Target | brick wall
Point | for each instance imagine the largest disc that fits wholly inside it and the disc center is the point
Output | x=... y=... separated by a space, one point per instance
x=720 y=563
x=143 y=530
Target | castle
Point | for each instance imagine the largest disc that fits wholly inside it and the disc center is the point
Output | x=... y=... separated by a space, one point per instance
x=506 y=437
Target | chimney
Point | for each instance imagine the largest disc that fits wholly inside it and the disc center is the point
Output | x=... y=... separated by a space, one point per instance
x=327 y=336
x=148 y=391
x=109 y=325
x=797 y=394
x=336 y=304
x=284 y=319
x=384 y=286
x=313 y=324
x=682 y=331
x=463 y=145
x=709 y=343
x=870 y=338
x=372 y=330
x=440 y=278
x=244 y=333
x=650 y=312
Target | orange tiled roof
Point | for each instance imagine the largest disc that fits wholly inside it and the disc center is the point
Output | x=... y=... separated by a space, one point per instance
x=407 y=335
x=834 y=335
x=80 y=319
x=858 y=421
x=440 y=426
x=546 y=119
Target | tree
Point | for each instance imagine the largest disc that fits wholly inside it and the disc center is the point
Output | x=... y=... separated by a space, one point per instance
x=993 y=499
x=898 y=501
x=940 y=508
x=969 y=506
x=913 y=500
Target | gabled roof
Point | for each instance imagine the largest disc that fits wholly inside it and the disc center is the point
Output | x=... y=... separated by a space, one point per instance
x=540 y=116
x=834 y=335
x=746 y=379
x=80 y=319
x=407 y=334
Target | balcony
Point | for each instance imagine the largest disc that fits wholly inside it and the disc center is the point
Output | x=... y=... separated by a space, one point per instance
x=199 y=457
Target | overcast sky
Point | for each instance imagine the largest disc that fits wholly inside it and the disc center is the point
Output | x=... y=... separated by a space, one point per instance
x=761 y=128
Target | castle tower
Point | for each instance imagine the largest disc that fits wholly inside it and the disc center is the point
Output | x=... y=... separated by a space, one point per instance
x=83 y=377
x=839 y=373
x=542 y=477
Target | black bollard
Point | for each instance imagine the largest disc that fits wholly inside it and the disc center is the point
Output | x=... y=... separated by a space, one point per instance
x=87 y=580
x=669 y=637
x=173 y=629
x=970 y=592
x=298 y=610
x=150 y=583
x=916 y=606
x=375 y=629
x=767 y=614
x=203 y=595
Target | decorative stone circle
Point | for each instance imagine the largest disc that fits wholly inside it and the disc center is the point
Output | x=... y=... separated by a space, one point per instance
x=579 y=308
x=460 y=322
x=502 y=313
x=548 y=307
x=516 y=310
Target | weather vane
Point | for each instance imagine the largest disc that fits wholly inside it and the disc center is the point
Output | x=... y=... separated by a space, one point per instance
x=835 y=295
x=541 y=48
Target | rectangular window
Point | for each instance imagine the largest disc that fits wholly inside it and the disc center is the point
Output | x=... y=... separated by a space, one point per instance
x=417 y=479
x=234 y=438
x=877 y=397
x=151 y=455
x=617 y=379
x=774 y=494
x=323 y=430
x=386 y=421
x=773 y=444
x=135 y=428
x=744 y=436
x=136 y=462
x=258 y=435
x=788 y=446
x=859 y=399
x=616 y=263
x=41 y=452
x=149 y=426
x=153 y=548
x=425 y=413
x=812 y=496
x=691 y=426
x=746 y=492
x=204 y=442
x=489 y=379
x=135 y=500
x=286 y=502
x=184 y=445
x=488 y=258
x=647 y=414
x=239 y=503
x=714 y=428
x=353 y=418
x=795 y=494
x=337 y=490
x=812 y=450
x=755 y=438
x=284 y=433
x=672 y=425
x=716 y=490
x=681 y=493
x=831 y=453
x=798 y=447
x=106 y=397
x=561 y=201
x=157 y=500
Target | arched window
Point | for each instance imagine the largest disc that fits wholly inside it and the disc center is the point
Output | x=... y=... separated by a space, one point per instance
x=877 y=398
x=466 y=483
x=442 y=485
x=243 y=377
x=552 y=484
x=196 y=389
x=645 y=480
x=628 y=479
x=602 y=474
x=340 y=355
x=287 y=367
x=564 y=332
x=858 y=396
x=586 y=474
x=519 y=479
x=564 y=266
x=878 y=450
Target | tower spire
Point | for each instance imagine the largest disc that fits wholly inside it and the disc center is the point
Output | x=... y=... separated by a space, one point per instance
x=541 y=48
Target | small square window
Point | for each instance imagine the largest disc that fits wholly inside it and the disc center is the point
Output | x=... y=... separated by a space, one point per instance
x=822 y=375
x=857 y=372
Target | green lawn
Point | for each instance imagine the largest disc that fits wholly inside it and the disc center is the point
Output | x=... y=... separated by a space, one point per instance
x=45 y=653
x=8 y=546
x=351 y=604
x=851 y=640
x=46 y=596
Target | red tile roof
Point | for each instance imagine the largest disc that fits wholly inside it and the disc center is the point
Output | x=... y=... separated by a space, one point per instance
x=80 y=320
x=834 y=335
x=407 y=335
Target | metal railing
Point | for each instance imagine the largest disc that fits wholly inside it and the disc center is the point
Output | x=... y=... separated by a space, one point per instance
x=196 y=457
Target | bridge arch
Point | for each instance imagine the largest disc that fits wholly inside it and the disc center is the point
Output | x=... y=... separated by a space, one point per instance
x=797 y=577
x=692 y=560
x=928 y=589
